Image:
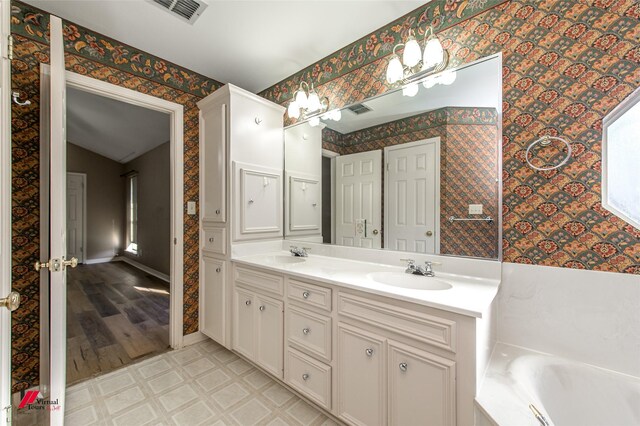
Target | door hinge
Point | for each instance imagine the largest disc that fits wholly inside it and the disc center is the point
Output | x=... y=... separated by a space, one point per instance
x=387 y=166
x=175 y=241
x=10 y=47
x=9 y=410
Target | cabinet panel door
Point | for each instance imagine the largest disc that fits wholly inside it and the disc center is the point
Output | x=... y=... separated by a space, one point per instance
x=213 y=128
x=213 y=310
x=421 y=387
x=270 y=341
x=243 y=323
x=360 y=377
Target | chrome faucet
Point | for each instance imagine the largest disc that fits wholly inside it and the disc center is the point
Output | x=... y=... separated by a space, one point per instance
x=414 y=269
x=298 y=252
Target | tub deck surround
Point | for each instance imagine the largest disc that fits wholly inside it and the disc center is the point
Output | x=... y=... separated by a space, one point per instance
x=564 y=391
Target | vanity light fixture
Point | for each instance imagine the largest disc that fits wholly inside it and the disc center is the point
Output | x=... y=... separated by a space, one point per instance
x=307 y=104
x=419 y=66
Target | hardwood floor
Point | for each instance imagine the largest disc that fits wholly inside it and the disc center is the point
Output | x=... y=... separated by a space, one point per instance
x=116 y=314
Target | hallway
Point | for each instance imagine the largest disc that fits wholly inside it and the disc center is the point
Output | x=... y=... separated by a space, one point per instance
x=116 y=314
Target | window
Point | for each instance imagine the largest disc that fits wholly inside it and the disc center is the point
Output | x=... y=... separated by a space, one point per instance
x=620 y=160
x=132 y=214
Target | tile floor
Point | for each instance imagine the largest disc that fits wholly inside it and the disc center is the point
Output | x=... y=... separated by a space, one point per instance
x=203 y=384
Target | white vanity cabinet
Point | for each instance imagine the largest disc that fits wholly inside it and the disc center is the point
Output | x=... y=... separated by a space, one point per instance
x=236 y=128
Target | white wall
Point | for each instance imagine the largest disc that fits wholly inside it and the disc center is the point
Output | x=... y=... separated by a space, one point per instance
x=589 y=316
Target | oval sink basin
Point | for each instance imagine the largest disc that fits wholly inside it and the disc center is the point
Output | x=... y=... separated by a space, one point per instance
x=284 y=260
x=403 y=280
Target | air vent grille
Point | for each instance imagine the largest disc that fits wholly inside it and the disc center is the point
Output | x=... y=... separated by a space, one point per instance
x=187 y=10
x=359 y=109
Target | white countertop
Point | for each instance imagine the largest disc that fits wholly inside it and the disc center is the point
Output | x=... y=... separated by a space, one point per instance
x=468 y=295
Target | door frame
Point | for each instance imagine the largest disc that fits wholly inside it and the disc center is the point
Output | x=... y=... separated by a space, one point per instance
x=332 y=156
x=176 y=142
x=84 y=213
x=386 y=151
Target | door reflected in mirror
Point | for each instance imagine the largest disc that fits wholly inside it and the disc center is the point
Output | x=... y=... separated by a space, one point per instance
x=409 y=173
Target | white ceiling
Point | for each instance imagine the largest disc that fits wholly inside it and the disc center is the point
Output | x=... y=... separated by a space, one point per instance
x=113 y=129
x=478 y=85
x=252 y=44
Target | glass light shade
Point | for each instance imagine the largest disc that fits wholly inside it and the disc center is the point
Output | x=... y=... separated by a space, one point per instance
x=394 y=70
x=314 y=121
x=410 y=90
x=335 y=114
x=301 y=99
x=433 y=53
x=293 y=110
x=429 y=82
x=411 y=54
x=448 y=77
x=313 y=102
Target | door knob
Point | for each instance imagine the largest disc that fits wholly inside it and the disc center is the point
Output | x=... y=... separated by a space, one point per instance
x=11 y=302
x=41 y=265
x=73 y=262
x=428 y=233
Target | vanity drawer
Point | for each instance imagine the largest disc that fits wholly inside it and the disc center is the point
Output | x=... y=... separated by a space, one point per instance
x=214 y=240
x=309 y=377
x=310 y=294
x=259 y=280
x=310 y=332
x=436 y=331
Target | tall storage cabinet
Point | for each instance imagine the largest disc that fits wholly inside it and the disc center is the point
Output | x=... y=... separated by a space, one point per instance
x=241 y=163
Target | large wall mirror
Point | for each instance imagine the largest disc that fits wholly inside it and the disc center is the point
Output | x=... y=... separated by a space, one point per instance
x=410 y=170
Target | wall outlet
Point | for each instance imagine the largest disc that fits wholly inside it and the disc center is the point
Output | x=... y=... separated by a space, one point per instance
x=191 y=207
x=475 y=208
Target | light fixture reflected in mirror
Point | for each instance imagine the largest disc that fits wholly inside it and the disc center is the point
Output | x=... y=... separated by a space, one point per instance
x=308 y=104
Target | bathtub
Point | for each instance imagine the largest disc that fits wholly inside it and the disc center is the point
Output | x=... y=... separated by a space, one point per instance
x=565 y=392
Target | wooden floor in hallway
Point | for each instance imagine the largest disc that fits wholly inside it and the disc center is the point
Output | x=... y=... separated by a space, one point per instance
x=116 y=314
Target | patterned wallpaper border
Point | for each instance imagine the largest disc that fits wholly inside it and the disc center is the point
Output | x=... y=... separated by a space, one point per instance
x=442 y=14
x=33 y=23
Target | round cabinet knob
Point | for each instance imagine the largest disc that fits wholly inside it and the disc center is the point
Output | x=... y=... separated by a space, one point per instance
x=375 y=232
x=218 y=269
x=306 y=330
x=211 y=239
x=248 y=302
x=369 y=352
x=428 y=233
x=305 y=377
x=250 y=201
x=403 y=366
x=217 y=211
x=261 y=308
x=306 y=294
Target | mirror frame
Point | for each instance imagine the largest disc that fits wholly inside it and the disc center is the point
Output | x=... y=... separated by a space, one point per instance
x=499 y=160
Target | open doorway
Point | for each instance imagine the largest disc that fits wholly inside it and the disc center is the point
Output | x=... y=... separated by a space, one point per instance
x=119 y=229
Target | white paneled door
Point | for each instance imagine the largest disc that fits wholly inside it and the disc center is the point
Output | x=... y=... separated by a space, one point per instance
x=412 y=199
x=76 y=220
x=358 y=199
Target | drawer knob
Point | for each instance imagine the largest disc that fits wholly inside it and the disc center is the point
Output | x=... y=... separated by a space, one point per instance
x=218 y=269
x=248 y=302
x=403 y=366
x=369 y=352
x=211 y=239
x=261 y=308
x=217 y=211
x=306 y=330
x=305 y=377
x=306 y=294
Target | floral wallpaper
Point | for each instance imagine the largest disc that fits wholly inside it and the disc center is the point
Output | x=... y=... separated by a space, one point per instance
x=102 y=58
x=566 y=64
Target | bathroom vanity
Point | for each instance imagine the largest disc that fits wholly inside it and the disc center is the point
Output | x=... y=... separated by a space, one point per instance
x=360 y=327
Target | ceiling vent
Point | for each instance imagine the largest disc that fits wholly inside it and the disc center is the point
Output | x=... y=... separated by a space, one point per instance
x=359 y=109
x=187 y=10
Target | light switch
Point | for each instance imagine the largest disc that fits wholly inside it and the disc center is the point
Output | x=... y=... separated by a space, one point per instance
x=191 y=207
x=475 y=208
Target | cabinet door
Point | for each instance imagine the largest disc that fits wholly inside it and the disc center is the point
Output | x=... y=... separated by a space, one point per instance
x=421 y=387
x=243 y=323
x=270 y=341
x=212 y=294
x=360 y=377
x=213 y=128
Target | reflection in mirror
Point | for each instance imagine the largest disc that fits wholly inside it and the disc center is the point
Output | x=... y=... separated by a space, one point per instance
x=416 y=173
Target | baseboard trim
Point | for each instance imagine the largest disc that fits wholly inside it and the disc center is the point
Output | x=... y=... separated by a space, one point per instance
x=150 y=271
x=100 y=260
x=193 y=338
